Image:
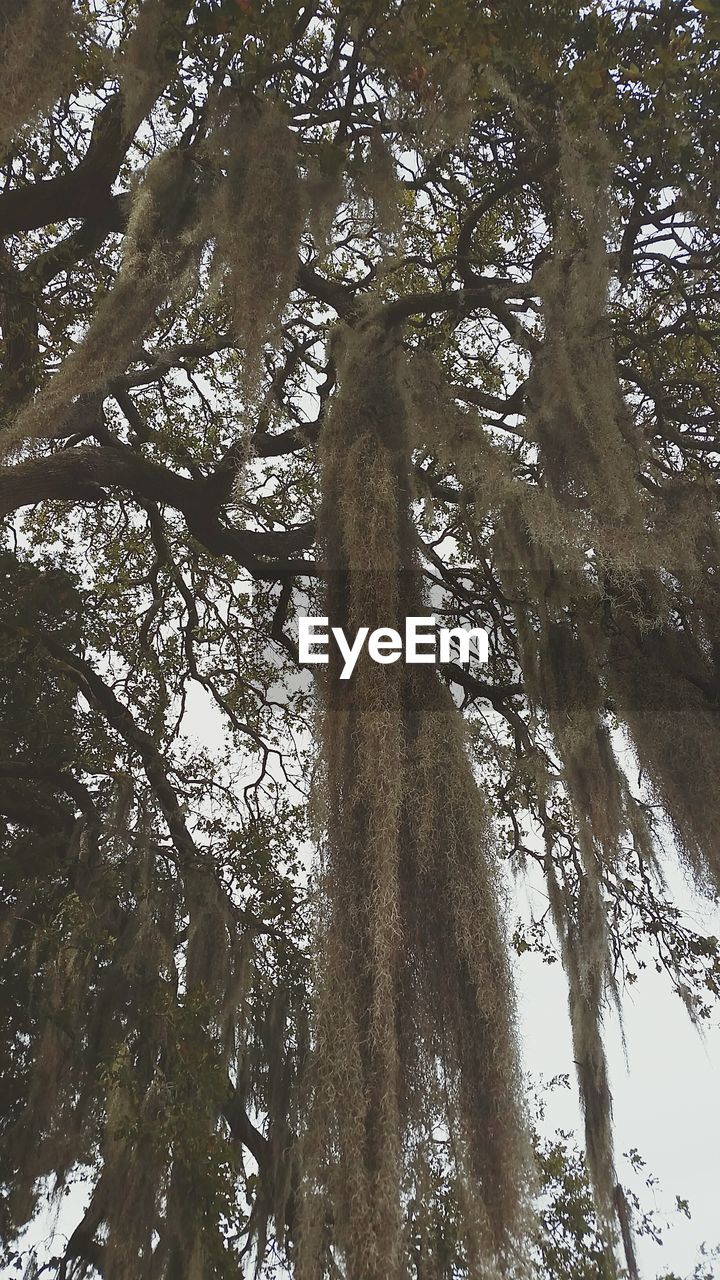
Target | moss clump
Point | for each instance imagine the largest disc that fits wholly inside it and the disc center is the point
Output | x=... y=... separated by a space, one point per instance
x=415 y=1003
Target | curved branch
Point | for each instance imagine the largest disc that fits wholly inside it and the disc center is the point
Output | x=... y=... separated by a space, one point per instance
x=86 y=192
x=85 y=475
x=83 y=193
x=59 y=780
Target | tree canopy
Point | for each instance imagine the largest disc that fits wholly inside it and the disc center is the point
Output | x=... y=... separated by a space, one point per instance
x=375 y=307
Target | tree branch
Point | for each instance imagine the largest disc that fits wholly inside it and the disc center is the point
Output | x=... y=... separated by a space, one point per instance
x=84 y=475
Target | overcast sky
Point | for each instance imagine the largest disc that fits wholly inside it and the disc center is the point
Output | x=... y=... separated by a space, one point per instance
x=665 y=1100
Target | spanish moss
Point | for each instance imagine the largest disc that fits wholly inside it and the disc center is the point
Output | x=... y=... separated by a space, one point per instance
x=415 y=1011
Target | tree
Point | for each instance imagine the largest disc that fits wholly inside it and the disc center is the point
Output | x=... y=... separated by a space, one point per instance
x=383 y=305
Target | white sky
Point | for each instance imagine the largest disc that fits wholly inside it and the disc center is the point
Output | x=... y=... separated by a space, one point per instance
x=665 y=1099
x=665 y=1096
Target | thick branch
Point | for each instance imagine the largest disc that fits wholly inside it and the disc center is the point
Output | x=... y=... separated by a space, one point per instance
x=56 y=778
x=83 y=193
x=84 y=475
x=86 y=192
